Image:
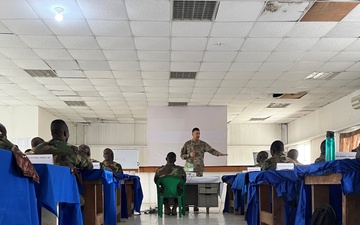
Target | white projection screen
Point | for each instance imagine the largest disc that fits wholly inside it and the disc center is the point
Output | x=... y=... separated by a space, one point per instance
x=170 y=127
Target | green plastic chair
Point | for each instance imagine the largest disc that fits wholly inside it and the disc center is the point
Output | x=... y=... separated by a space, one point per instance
x=170 y=184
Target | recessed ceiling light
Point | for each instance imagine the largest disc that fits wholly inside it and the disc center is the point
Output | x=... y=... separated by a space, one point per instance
x=278 y=105
x=321 y=75
x=59 y=14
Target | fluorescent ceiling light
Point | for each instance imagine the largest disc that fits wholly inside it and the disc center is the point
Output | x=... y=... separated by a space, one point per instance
x=321 y=76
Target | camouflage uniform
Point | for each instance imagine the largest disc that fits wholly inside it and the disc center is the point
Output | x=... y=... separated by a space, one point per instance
x=320 y=159
x=114 y=166
x=5 y=143
x=196 y=162
x=64 y=154
x=270 y=164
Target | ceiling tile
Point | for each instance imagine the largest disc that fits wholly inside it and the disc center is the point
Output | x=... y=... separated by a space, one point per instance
x=157 y=91
x=294 y=75
x=99 y=74
x=18 y=53
x=259 y=83
x=155 y=75
x=345 y=30
x=116 y=43
x=70 y=73
x=252 y=56
x=318 y=56
x=188 y=44
x=63 y=64
x=219 y=56
x=79 y=42
x=310 y=29
x=355 y=47
x=266 y=75
x=296 y=44
x=306 y=66
x=346 y=57
x=94 y=65
x=181 y=83
x=31 y=64
x=260 y=44
x=285 y=56
x=347 y=75
x=150 y=29
x=355 y=67
x=156 y=83
x=332 y=44
x=239 y=75
x=120 y=55
x=130 y=83
x=77 y=82
x=207 y=83
x=271 y=29
x=203 y=89
x=69 y=27
x=284 y=11
x=20 y=10
x=87 y=54
x=107 y=10
x=151 y=55
x=224 y=44
x=127 y=74
x=152 y=43
x=41 y=41
x=155 y=66
x=275 y=66
x=32 y=27
x=11 y=41
x=124 y=65
x=145 y=10
x=54 y=54
x=231 y=29
x=239 y=11
x=232 y=83
x=336 y=66
x=190 y=29
x=241 y=67
x=210 y=75
x=103 y=82
x=186 y=56
x=110 y=28
x=185 y=66
x=49 y=81
x=213 y=67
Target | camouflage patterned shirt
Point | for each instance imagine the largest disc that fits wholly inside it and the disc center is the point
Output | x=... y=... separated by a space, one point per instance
x=113 y=166
x=170 y=169
x=64 y=154
x=320 y=159
x=199 y=148
x=270 y=163
x=5 y=143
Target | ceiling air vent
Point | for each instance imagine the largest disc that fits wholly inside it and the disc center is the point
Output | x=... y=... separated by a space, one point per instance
x=178 y=103
x=259 y=119
x=321 y=75
x=277 y=105
x=195 y=10
x=290 y=95
x=76 y=103
x=182 y=75
x=41 y=73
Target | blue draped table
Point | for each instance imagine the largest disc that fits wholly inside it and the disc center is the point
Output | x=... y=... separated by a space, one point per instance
x=350 y=172
x=17 y=194
x=286 y=185
x=109 y=185
x=58 y=185
x=138 y=194
x=228 y=179
x=239 y=188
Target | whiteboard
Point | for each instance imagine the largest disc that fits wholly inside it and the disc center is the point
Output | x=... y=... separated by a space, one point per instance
x=128 y=158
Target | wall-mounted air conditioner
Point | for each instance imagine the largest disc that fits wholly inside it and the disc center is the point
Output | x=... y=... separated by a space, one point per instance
x=355 y=102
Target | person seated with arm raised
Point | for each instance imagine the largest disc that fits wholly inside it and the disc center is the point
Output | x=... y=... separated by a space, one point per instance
x=109 y=163
x=64 y=153
x=278 y=156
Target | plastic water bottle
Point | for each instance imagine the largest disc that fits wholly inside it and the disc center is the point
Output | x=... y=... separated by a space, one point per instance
x=330 y=146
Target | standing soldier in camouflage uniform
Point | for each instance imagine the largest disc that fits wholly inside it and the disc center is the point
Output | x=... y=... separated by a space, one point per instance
x=322 y=152
x=278 y=156
x=170 y=169
x=193 y=152
x=109 y=163
x=64 y=154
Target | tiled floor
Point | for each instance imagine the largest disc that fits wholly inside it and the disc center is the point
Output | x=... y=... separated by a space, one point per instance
x=213 y=218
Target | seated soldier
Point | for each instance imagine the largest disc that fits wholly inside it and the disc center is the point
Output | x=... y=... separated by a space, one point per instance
x=278 y=156
x=4 y=142
x=322 y=152
x=358 y=152
x=86 y=150
x=293 y=154
x=261 y=157
x=64 y=154
x=170 y=169
x=34 y=142
x=109 y=163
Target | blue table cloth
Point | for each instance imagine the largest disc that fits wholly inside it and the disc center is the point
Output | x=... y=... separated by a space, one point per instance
x=109 y=185
x=138 y=194
x=230 y=179
x=239 y=188
x=58 y=185
x=350 y=170
x=17 y=194
x=286 y=185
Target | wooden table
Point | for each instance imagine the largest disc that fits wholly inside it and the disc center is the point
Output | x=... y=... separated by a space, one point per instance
x=320 y=196
x=272 y=214
x=231 y=197
x=118 y=202
x=94 y=202
x=129 y=184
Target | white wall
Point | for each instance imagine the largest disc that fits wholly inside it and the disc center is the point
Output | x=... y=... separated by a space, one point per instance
x=45 y=119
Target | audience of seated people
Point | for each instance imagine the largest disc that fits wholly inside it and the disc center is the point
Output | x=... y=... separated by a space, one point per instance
x=173 y=170
x=109 y=163
x=277 y=156
x=34 y=142
x=293 y=154
x=86 y=150
x=261 y=157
